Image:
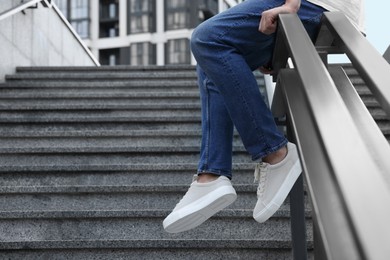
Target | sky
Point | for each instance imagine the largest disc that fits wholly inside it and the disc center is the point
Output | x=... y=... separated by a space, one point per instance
x=377 y=23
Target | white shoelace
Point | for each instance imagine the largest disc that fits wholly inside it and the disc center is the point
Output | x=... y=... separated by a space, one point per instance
x=260 y=176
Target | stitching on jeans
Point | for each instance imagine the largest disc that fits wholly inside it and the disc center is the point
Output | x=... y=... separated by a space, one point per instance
x=207 y=112
x=229 y=28
x=224 y=60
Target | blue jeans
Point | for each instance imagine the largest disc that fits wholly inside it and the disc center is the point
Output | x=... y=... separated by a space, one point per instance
x=227 y=48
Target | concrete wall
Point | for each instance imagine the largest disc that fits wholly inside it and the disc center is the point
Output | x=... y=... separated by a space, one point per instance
x=40 y=37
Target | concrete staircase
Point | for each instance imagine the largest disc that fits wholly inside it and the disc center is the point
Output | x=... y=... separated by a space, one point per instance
x=369 y=100
x=93 y=159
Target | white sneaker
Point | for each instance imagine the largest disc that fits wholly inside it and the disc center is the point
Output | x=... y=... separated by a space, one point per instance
x=275 y=182
x=201 y=201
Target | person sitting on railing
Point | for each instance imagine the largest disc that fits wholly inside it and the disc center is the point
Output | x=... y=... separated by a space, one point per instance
x=228 y=47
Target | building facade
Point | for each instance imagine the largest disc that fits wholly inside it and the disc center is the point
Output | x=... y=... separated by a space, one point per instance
x=140 y=32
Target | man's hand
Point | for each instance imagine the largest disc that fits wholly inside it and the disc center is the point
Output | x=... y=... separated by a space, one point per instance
x=269 y=18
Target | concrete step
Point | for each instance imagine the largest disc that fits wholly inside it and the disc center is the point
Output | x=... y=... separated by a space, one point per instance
x=112 y=84
x=104 y=70
x=378 y=113
x=93 y=148
x=103 y=133
x=369 y=100
x=86 y=69
x=135 y=224
x=152 y=142
x=97 y=94
x=361 y=88
x=33 y=199
x=116 y=140
x=139 y=104
x=94 y=84
x=187 y=249
x=384 y=126
x=132 y=124
x=126 y=175
x=103 y=75
x=103 y=160
x=102 y=116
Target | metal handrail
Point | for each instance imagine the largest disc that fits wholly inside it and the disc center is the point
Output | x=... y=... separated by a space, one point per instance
x=366 y=59
x=75 y=34
x=50 y=4
x=21 y=7
x=347 y=183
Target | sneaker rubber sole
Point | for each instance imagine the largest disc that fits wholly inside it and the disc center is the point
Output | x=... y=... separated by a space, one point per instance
x=200 y=210
x=280 y=196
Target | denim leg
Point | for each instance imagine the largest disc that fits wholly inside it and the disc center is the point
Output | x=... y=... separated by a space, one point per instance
x=217 y=130
x=228 y=47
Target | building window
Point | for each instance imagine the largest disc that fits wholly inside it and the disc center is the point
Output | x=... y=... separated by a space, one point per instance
x=77 y=13
x=143 y=53
x=178 y=52
x=109 y=57
x=63 y=6
x=141 y=15
x=177 y=14
x=183 y=14
x=109 y=18
x=207 y=9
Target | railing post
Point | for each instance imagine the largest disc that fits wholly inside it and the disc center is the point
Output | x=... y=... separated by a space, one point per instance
x=297 y=200
x=318 y=244
x=351 y=224
x=297 y=212
x=296 y=196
